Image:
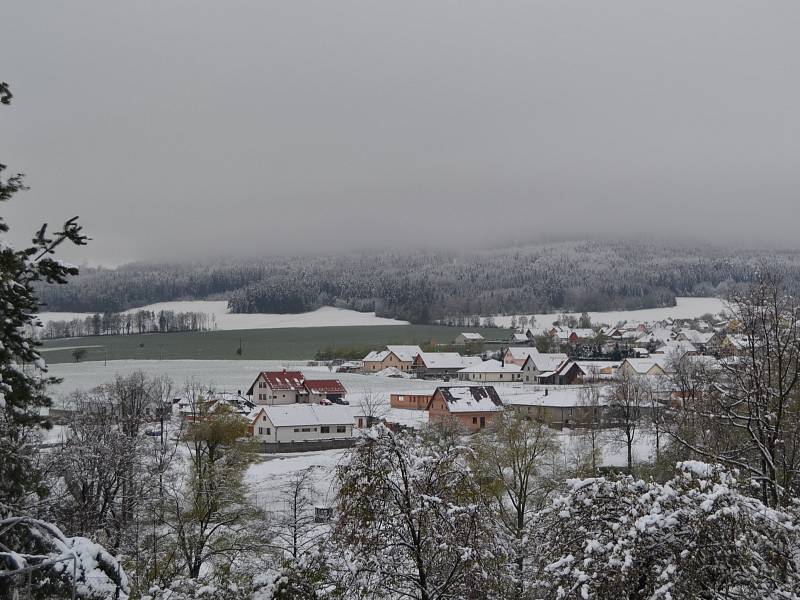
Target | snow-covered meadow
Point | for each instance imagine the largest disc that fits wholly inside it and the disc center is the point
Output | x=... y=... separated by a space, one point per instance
x=327 y=316
x=685 y=308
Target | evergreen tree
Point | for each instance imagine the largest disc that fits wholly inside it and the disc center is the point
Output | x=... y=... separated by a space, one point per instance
x=22 y=389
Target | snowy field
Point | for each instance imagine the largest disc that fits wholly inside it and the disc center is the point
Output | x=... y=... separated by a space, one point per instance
x=686 y=308
x=327 y=316
x=266 y=478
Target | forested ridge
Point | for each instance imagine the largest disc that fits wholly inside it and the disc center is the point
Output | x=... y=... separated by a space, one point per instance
x=423 y=286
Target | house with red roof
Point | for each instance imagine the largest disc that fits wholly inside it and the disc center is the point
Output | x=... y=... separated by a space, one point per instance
x=291 y=387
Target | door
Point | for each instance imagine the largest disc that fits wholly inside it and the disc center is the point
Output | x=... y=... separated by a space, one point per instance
x=483 y=421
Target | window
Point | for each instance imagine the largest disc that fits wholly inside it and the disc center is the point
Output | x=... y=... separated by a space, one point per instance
x=296 y=430
x=474 y=420
x=264 y=418
x=341 y=429
x=325 y=429
x=306 y=429
x=269 y=430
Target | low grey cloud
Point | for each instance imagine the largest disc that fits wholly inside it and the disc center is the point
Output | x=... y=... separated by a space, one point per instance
x=198 y=128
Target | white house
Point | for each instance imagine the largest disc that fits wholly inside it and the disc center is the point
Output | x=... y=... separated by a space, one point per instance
x=277 y=387
x=290 y=387
x=491 y=371
x=301 y=423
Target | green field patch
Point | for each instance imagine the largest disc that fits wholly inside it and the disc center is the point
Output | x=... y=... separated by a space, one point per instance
x=274 y=344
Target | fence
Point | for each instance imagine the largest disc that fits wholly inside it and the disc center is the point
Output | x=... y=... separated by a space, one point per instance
x=309 y=446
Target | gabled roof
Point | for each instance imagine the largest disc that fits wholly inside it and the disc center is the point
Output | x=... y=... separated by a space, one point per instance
x=521 y=352
x=470 y=398
x=673 y=346
x=296 y=415
x=324 y=386
x=280 y=380
x=471 y=336
x=546 y=361
x=642 y=366
x=405 y=353
x=558 y=397
x=538 y=332
x=443 y=360
x=376 y=356
x=491 y=366
x=519 y=337
x=697 y=337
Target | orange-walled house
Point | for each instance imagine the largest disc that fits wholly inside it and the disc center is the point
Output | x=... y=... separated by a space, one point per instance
x=413 y=400
x=472 y=406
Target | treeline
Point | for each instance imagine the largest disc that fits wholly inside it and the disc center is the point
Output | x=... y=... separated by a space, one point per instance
x=422 y=287
x=141 y=321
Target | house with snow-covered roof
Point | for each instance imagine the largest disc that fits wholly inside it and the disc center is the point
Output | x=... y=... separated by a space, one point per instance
x=491 y=371
x=278 y=387
x=472 y=406
x=538 y=363
x=677 y=348
x=518 y=338
x=465 y=338
x=399 y=357
x=290 y=387
x=517 y=355
x=442 y=364
x=300 y=423
x=705 y=341
x=654 y=365
x=566 y=373
x=569 y=406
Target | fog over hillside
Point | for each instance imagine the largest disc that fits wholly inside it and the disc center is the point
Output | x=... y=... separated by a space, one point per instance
x=424 y=286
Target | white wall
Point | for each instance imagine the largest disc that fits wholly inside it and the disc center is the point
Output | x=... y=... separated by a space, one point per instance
x=288 y=434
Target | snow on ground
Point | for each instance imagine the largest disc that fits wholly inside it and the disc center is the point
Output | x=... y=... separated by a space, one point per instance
x=327 y=316
x=686 y=308
x=267 y=478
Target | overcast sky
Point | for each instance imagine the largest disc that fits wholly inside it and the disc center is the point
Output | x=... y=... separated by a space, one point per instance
x=180 y=128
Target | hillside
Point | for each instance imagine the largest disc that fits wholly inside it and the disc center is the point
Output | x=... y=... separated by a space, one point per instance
x=423 y=286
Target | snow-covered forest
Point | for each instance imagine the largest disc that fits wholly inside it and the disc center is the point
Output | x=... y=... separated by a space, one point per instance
x=421 y=287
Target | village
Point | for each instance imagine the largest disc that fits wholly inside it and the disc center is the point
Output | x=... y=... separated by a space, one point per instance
x=560 y=376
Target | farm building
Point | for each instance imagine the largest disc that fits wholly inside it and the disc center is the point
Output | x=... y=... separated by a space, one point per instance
x=463 y=339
